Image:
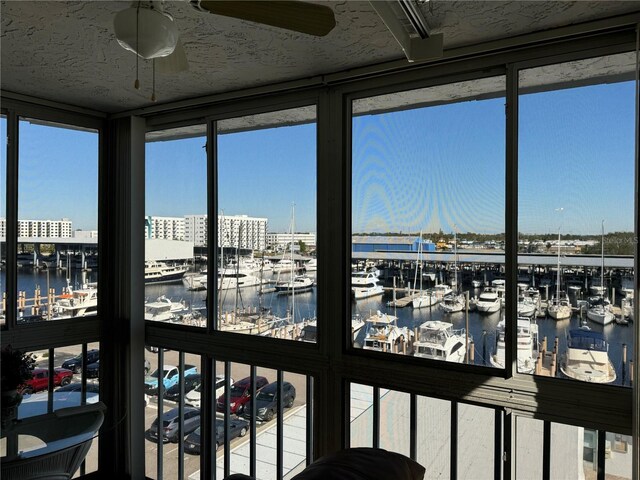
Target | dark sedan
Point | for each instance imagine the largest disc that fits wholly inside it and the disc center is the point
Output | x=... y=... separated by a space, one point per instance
x=75 y=364
x=93 y=370
x=190 y=382
x=237 y=428
x=170 y=421
x=267 y=400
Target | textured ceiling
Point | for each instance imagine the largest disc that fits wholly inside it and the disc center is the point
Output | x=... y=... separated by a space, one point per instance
x=66 y=51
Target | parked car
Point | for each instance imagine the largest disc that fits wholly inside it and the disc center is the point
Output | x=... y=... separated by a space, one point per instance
x=169 y=375
x=75 y=364
x=193 y=397
x=170 y=421
x=267 y=401
x=237 y=428
x=190 y=382
x=40 y=379
x=93 y=370
x=240 y=394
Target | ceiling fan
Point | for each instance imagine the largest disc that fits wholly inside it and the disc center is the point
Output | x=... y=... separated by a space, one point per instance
x=147 y=30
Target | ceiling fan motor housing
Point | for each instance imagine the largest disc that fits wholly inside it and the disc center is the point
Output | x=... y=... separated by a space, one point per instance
x=147 y=32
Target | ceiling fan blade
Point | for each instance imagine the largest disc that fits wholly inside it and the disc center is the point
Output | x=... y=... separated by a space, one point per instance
x=303 y=17
x=174 y=63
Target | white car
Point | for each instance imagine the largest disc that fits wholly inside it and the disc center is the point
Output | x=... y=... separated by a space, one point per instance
x=193 y=397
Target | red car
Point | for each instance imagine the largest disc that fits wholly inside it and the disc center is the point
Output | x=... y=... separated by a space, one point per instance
x=40 y=379
x=240 y=394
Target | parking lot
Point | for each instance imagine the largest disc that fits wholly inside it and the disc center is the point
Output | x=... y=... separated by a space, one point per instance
x=170 y=450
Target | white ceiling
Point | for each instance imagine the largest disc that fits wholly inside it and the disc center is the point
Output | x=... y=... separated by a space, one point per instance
x=66 y=51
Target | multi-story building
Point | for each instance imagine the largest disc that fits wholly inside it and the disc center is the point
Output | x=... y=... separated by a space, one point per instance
x=240 y=231
x=40 y=228
x=279 y=241
x=166 y=228
x=195 y=229
x=85 y=234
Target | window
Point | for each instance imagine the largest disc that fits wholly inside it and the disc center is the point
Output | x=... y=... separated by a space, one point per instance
x=175 y=226
x=267 y=224
x=576 y=168
x=57 y=221
x=428 y=209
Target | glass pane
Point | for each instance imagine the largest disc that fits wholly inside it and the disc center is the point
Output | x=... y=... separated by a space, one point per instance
x=267 y=224
x=569 y=447
x=57 y=221
x=475 y=441
x=434 y=436
x=361 y=405
x=618 y=462
x=576 y=219
x=428 y=179
x=175 y=226
x=530 y=449
x=395 y=423
x=3 y=218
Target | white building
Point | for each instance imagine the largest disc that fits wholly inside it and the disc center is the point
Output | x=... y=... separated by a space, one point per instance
x=40 y=228
x=85 y=234
x=195 y=229
x=280 y=241
x=165 y=228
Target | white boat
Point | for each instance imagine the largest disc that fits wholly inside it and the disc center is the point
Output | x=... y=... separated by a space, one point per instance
x=441 y=291
x=232 y=279
x=76 y=303
x=195 y=281
x=297 y=284
x=559 y=307
x=526 y=306
x=527 y=333
x=311 y=265
x=160 y=272
x=364 y=285
x=438 y=340
x=476 y=283
x=427 y=298
x=488 y=301
x=284 y=266
x=587 y=357
x=452 y=303
x=250 y=265
x=356 y=323
x=384 y=335
x=164 y=310
x=627 y=306
x=602 y=314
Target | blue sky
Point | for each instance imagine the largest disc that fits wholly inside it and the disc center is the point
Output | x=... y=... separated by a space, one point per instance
x=424 y=169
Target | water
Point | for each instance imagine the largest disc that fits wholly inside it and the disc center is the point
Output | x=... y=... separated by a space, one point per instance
x=482 y=327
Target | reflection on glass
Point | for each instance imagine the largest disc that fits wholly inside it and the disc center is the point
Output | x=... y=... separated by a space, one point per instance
x=57 y=221
x=267 y=224
x=434 y=436
x=3 y=218
x=576 y=168
x=395 y=423
x=428 y=186
x=361 y=415
x=175 y=226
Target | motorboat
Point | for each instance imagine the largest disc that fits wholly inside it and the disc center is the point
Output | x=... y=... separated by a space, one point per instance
x=195 y=281
x=488 y=301
x=527 y=334
x=476 y=283
x=383 y=333
x=160 y=272
x=356 y=323
x=438 y=340
x=311 y=265
x=452 y=303
x=164 y=310
x=284 y=266
x=364 y=285
x=587 y=357
x=76 y=303
x=526 y=306
x=232 y=279
x=297 y=284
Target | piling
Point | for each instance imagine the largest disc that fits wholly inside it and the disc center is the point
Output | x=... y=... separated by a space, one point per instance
x=539 y=364
x=404 y=347
x=553 y=364
x=631 y=373
x=624 y=354
x=555 y=345
x=544 y=346
x=471 y=352
x=484 y=346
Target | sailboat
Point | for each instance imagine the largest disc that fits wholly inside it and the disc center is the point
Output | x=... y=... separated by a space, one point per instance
x=426 y=298
x=603 y=312
x=296 y=283
x=454 y=302
x=559 y=307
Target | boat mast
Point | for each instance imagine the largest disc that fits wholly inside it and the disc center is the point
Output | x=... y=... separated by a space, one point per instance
x=293 y=267
x=604 y=291
x=558 y=275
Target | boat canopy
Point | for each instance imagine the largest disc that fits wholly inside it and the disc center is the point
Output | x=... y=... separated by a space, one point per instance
x=587 y=340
